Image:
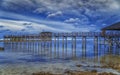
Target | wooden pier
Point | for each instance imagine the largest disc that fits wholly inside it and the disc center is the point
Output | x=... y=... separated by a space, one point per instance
x=67 y=45
x=57 y=45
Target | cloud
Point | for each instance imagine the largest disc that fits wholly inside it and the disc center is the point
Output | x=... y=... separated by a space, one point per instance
x=71 y=20
x=39 y=10
x=20 y=5
x=77 y=13
x=15 y=26
x=115 y=6
x=78 y=22
x=29 y=23
x=1 y=26
x=58 y=13
x=30 y=20
x=39 y=6
x=11 y=25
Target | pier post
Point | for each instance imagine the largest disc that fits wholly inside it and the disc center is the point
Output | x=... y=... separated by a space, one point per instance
x=96 y=46
x=43 y=47
x=58 y=46
x=5 y=43
x=117 y=40
x=100 y=46
x=110 y=45
x=84 y=47
x=75 y=45
x=28 y=43
x=104 y=45
x=35 y=46
x=72 y=48
x=11 y=42
x=17 y=43
x=55 y=47
x=24 y=43
x=39 y=46
x=41 y=50
x=37 y=41
x=51 y=49
x=63 y=47
x=33 y=51
x=66 y=46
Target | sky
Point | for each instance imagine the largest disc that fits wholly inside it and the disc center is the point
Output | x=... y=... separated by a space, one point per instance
x=35 y=16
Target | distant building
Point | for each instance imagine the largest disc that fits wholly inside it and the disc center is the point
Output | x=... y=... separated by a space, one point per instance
x=1 y=48
x=46 y=36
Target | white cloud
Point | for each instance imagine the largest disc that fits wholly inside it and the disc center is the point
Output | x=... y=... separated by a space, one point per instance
x=71 y=20
x=114 y=6
x=39 y=10
x=58 y=13
x=11 y=25
x=92 y=25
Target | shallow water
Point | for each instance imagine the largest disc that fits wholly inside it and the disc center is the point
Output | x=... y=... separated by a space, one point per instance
x=24 y=62
x=12 y=63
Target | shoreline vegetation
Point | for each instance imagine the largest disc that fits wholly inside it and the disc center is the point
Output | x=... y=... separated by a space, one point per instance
x=111 y=61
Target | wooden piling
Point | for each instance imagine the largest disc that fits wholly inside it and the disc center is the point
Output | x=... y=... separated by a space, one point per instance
x=66 y=46
x=63 y=46
x=55 y=47
x=58 y=46
x=84 y=47
x=95 y=46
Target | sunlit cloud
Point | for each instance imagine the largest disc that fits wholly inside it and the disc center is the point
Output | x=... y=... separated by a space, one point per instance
x=58 y=13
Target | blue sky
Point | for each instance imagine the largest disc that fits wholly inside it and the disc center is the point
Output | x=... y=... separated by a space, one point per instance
x=34 y=16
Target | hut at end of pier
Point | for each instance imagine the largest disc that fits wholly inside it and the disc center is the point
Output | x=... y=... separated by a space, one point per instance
x=114 y=27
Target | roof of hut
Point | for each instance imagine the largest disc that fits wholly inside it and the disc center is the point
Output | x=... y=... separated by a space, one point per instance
x=115 y=26
x=45 y=32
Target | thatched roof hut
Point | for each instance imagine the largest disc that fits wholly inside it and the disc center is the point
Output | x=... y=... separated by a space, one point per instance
x=115 y=26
